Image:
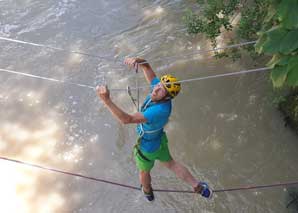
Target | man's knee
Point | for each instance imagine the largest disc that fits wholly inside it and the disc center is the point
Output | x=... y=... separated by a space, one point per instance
x=144 y=173
x=169 y=164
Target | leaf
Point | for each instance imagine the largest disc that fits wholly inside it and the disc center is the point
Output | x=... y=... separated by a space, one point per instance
x=289 y=42
x=278 y=59
x=275 y=3
x=283 y=8
x=260 y=43
x=275 y=36
x=279 y=76
x=284 y=60
x=270 y=14
x=275 y=33
x=274 y=60
x=287 y=12
x=293 y=71
x=293 y=62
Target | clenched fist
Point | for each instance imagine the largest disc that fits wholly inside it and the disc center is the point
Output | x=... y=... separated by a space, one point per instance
x=103 y=93
x=133 y=62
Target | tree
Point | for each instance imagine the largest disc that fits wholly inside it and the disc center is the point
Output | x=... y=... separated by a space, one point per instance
x=281 y=42
x=274 y=23
x=217 y=16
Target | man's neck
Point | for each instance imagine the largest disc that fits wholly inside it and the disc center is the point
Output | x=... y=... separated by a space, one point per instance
x=162 y=100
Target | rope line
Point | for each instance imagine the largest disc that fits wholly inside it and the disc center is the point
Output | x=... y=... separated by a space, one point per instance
x=136 y=88
x=216 y=76
x=205 y=51
x=225 y=74
x=138 y=188
x=133 y=100
x=46 y=78
x=110 y=57
x=66 y=173
x=54 y=48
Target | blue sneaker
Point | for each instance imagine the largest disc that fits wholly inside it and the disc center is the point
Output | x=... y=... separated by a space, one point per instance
x=148 y=195
x=203 y=189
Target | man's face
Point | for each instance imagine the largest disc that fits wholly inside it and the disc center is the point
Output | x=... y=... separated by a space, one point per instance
x=158 y=92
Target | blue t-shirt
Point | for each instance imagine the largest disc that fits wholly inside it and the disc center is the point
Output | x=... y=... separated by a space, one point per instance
x=157 y=115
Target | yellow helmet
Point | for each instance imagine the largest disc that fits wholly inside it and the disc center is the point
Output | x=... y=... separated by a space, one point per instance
x=171 y=85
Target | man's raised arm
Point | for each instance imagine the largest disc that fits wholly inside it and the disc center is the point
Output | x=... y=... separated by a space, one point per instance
x=148 y=71
x=125 y=118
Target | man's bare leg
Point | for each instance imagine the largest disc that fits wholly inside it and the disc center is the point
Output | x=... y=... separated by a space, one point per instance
x=181 y=171
x=145 y=179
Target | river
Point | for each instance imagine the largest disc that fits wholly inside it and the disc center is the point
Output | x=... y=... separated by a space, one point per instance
x=227 y=130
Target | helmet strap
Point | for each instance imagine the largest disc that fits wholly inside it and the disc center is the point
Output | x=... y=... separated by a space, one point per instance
x=167 y=97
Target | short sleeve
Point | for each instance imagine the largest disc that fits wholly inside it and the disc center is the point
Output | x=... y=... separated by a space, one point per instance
x=155 y=114
x=154 y=81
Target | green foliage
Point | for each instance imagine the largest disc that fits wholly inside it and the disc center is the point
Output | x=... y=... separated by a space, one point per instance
x=289 y=106
x=279 y=75
x=215 y=16
x=290 y=42
x=273 y=22
x=193 y=22
x=232 y=53
x=281 y=42
x=251 y=20
x=292 y=69
x=278 y=99
x=287 y=13
x=273 y=42
x=278 y=59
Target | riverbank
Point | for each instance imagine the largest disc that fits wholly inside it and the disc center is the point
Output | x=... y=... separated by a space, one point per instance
x=289 y=108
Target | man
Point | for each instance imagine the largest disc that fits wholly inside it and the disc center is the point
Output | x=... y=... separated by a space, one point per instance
x=152 y=143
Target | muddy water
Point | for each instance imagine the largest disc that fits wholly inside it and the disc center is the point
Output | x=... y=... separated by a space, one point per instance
x=226 y=131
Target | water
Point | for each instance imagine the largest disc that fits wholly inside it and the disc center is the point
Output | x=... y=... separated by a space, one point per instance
x=226 y=131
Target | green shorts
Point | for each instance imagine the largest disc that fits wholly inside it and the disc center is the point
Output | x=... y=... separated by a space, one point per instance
x=162 y=154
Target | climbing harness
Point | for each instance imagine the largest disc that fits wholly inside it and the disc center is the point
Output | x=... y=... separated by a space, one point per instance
x=142 y=131
x=143 y=108
x=136 y=102
x=136 y=146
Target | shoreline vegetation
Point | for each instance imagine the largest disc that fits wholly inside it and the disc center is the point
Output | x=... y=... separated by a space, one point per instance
x=289 y=108
x=273 y=23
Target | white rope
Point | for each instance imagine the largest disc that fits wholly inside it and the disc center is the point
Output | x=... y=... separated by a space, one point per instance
x=45 y=78
x=136 y=88
x=225 y=74
x=198 y=52
x=54 y=48
x=109 y=57
x=205 y=51
x=215 y=76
